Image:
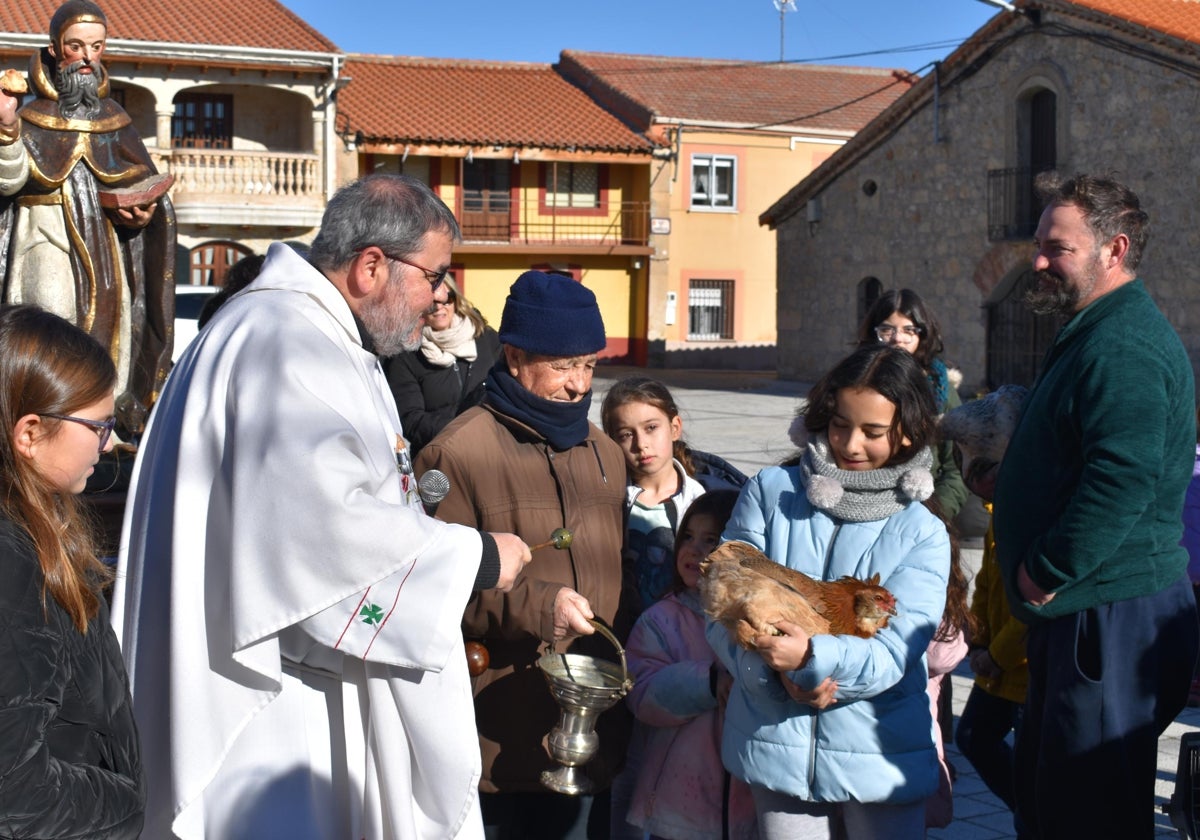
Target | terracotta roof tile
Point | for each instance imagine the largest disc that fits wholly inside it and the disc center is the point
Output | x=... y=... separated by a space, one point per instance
x=451 y=101
x=240 y=23
x=746 y=93
x=1178 y=18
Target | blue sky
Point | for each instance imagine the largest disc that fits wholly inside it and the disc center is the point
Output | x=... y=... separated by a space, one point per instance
x=875 y=33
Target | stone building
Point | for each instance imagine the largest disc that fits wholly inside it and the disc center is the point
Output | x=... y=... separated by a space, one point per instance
x=935 y=194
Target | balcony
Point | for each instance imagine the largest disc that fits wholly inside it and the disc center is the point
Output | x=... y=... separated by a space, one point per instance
x=230 y=187
x=1013 y=207
x=495 y=219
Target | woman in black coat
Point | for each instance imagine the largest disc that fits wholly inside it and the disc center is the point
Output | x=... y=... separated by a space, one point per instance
x=70 y=766
x=435 y=383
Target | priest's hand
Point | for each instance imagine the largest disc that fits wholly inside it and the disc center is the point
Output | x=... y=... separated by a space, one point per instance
x=514 y=554
x=572 y=615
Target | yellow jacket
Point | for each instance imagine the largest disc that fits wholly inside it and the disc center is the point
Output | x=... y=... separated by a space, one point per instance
x=999 y=632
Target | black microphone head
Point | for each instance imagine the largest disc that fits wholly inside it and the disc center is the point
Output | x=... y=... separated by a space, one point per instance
x=433 y=487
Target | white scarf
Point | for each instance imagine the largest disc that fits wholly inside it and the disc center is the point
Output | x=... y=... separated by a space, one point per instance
x=444 y=347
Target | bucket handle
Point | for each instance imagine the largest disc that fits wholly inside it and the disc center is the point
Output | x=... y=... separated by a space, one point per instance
x=626 y=683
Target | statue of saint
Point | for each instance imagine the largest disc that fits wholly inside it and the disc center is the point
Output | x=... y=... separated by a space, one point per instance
x=86 y=228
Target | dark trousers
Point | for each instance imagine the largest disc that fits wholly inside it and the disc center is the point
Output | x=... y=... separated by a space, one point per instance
x=983 y=727
x=545 y=816
x=1103 y=685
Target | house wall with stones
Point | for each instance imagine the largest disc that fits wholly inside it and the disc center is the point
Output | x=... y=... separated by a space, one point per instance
x=924 y=224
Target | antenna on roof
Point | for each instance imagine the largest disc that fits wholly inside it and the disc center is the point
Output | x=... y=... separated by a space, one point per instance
x=783 y=6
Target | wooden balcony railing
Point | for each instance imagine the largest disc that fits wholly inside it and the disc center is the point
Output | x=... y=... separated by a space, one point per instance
x=532 y=223
x=267 y=177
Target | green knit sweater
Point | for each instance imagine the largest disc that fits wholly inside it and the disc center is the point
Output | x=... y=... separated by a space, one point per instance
x=1090 y=493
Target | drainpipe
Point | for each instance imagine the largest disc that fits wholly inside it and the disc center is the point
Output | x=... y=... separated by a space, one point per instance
x=331 y=150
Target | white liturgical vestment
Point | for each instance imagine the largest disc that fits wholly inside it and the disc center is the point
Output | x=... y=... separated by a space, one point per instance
x=289 y=616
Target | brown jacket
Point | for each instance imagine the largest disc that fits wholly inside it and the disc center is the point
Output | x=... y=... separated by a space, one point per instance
x=504 y=477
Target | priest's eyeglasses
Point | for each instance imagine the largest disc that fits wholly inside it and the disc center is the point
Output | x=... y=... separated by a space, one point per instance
x=435 y=278
x=103 y=428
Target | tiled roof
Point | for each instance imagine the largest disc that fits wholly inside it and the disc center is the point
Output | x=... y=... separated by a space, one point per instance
x=744 y=93
x=1178 y=18
x=449 y=101
x=237 y=23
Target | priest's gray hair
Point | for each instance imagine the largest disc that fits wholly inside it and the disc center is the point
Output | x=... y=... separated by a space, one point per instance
x=391 y=212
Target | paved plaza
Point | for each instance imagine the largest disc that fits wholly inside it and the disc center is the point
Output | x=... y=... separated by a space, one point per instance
x=744 y=417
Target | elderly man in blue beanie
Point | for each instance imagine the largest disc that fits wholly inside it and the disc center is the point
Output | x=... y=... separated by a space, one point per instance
x=528 y=461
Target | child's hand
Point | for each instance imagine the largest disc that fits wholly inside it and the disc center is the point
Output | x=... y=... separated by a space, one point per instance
x=787 y=652
x=983 y=664
x=821 y=697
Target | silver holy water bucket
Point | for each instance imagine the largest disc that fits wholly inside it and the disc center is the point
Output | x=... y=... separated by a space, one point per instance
x=583 y=687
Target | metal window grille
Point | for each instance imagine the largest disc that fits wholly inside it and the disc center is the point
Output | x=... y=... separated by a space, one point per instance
x=575 y=185
x=1017 y=339
x=710 y=310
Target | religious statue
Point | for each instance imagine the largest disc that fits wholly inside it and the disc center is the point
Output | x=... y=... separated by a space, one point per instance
x=86 y=228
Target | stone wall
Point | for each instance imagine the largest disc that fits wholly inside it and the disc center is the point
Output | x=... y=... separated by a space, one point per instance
x=926 y=224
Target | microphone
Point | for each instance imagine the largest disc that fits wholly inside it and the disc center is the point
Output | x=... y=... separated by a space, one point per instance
x=433 y=487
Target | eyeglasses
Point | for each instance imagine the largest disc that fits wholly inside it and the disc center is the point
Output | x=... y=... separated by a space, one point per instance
x=104 y=428
x=885 y=332
x=435 y=278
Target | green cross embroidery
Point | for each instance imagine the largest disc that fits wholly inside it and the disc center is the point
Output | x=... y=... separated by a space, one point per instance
x=372 y=614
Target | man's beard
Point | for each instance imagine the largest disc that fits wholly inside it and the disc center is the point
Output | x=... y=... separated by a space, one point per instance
x=1050 y=294
x=390 y=321
x=78 y=93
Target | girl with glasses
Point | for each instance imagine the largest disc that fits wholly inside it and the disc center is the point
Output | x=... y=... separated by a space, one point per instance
x=900 y=318
x=70 y=763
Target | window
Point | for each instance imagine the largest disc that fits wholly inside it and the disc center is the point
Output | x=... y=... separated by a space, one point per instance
x=202 y=121
x=486 y=202
x=574 y=185
x=1013 y=207
x=710 y=310
x=869 y=290
x=714 y=181
x=211 y=261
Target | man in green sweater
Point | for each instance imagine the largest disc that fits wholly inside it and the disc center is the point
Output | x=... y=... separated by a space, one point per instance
x=1088 y=522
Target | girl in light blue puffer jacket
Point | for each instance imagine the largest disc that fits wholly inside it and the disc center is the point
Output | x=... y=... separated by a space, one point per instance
x=836 y=730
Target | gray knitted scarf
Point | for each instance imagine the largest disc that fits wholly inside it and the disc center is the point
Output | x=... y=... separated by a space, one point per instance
x=863 y=496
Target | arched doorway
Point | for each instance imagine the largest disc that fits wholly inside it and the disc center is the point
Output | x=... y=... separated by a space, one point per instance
x=209 y=262
x=1017 y=339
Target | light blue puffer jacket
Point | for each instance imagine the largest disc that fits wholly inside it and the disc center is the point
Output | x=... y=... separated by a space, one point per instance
x=876 y=743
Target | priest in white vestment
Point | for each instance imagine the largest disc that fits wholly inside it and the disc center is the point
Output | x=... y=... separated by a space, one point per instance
x=288 y=613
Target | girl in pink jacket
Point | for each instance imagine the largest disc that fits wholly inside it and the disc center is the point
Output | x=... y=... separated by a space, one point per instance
x=679 y=693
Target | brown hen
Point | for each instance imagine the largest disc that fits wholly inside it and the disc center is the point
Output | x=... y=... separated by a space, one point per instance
x=749 y=593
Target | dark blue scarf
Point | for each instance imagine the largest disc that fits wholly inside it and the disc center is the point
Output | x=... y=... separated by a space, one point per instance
x=563 y=424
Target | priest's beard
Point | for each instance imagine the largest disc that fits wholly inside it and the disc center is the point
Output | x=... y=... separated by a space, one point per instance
x=391 y=321
x=78 y=93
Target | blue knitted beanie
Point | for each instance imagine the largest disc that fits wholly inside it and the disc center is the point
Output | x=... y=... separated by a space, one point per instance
x=551 y=315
